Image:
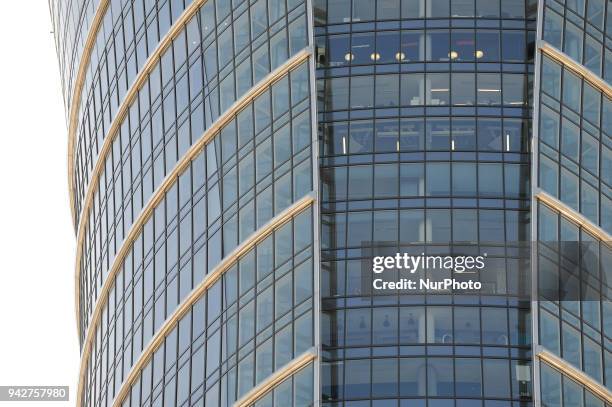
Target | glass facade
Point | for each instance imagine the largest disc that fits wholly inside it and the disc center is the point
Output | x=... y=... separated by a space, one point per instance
x=256 y=318
x=193 y=199
x=575 y=315
x=573 y=168
x=235 y=163
x=424 y=118
x=575 y=143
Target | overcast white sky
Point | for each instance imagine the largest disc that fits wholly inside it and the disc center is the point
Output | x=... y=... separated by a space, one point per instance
x=38 y=342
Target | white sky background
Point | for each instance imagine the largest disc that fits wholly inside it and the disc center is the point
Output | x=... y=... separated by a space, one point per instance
x=38 y=342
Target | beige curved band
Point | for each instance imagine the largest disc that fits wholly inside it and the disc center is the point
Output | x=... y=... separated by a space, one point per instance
x=574 y=216
x=197 y=293
x=75 y=102
x=276 y=378
x=579 y=376
x=159 y=193
x=180 y=167
x=575 y=66
x=132 y=92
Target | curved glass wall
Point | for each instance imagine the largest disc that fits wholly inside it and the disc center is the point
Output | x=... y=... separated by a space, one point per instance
x=120 y=51
x=141 y=157
x=425 y=123
x=575 y=315
x=424 y=120
x=577 y=29
x=201 y=219
x=236 y=50
x=574 y=165
x=560 y=390
x=296 y=391
x=575 y=143
x=252 y=321
x=71 y=22
x=258 y=317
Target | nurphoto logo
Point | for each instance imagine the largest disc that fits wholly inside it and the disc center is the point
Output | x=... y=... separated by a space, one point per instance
x=412 y=264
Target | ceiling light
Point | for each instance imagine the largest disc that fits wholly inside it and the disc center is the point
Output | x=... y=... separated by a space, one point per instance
x=400 y=56
x=348 y=57
x=453 y=55
x=374 y=56
x=479 y=54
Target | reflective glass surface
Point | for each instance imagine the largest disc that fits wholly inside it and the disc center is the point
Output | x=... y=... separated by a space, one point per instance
x=250 y=322
x=575 y=148
x=213 y=60
x=560 y=390
x=72 y=21
x=296 y=391
x=424 y=121
x=574 y=271
x=255 y=165
x=576 y=27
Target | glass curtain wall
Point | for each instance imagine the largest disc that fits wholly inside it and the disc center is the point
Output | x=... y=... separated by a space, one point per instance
x=574 y=169
x=424 y=124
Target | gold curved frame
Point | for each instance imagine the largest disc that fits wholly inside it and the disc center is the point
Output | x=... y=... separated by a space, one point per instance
x=276 y=378
x=180 y=166
x=131 y=94
x=577 y=375
x=159 y=193
x=573 y=215
x=196 y=293
x=75 y=102
x=575 y=66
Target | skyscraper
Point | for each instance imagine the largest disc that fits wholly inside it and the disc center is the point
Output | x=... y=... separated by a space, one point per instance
x=234 y=165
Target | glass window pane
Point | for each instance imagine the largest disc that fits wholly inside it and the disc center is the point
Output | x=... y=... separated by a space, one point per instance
x=362 y=92
x=515 y=89
x=490 y=180
x=438 y=45
x=412 y=377
x=412 y=326
x=468 y=382
x=573 y=41
x=464 y=179
x=438 y=226
x=571 y=90
x=466 y=325
x=439 y=325
x=438 y=89
x=496 y=374
x=385 y=180
x=463 y=85
x=412 y=89
x=357 y=379
x=489 y=135
x=489 y=89
x=514 y=47
x=440 y=378
x=551 y=78
x=384 y=378
x=412 y=45
x=465 y=226
x=386 y=138
x=438 y=134
x=551 y=386
x=549 y=332
x=438 y=179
